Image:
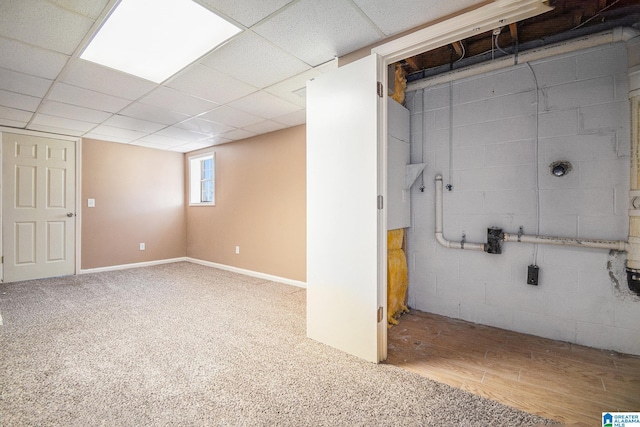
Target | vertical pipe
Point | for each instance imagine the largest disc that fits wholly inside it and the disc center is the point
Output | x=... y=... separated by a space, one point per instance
x=438 y=233
x=439 y=204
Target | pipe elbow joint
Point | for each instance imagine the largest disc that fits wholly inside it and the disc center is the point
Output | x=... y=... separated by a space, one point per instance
x=441 y=240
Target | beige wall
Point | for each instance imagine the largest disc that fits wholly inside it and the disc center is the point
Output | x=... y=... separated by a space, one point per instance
x=139 y=195
x=260 y=206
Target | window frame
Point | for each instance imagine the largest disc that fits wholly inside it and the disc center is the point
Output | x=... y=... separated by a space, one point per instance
x=196 y=179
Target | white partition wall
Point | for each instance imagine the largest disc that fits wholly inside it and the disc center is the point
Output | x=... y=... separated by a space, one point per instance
x=342 y=210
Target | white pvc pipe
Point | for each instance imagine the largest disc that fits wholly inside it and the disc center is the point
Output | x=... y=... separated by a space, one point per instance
x=616 y=245
x=592 y=40
x=439 y=236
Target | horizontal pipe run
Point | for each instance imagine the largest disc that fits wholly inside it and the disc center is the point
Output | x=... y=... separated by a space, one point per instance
x=458 y=245
x=439 y=235
x=591 y=40
x=616 y=245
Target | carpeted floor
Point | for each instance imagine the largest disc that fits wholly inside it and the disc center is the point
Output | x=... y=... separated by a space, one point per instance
x=187 y=345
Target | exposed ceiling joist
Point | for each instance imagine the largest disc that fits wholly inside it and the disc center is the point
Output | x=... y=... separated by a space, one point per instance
x=568 y=19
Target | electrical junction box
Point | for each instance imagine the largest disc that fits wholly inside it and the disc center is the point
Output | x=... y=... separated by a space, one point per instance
x=532 y=275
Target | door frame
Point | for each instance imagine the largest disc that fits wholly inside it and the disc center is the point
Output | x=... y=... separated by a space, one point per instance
x=485 y=17
x=78 y=194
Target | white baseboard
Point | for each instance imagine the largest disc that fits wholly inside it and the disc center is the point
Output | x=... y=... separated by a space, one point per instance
x=134 y=265
x=201 y=262
x=249 y=272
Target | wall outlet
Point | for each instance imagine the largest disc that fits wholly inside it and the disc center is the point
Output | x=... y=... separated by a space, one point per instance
x=237 y=250
x=142 y=246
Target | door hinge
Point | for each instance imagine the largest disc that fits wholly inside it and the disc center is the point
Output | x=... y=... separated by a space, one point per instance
x=1 y=259
x=380 y=202
x=380 y=90
x=380 y=314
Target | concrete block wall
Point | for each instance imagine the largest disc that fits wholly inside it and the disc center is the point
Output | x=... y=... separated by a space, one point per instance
x=508 y=126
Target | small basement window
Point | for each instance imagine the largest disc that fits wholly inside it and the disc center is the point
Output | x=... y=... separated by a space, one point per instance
x=202 y=188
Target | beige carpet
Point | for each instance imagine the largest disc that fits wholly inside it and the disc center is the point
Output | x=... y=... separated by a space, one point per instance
x=187 y=345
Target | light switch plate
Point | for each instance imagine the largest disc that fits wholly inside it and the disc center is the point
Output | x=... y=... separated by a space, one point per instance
x=91 y=203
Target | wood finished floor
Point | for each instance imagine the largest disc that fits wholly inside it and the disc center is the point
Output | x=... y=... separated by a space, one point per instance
x=565 y=382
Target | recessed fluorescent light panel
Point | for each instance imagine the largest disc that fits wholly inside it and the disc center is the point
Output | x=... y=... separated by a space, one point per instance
x=154 y=39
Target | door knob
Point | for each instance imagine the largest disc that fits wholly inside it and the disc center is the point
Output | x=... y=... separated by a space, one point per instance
x=70 y=214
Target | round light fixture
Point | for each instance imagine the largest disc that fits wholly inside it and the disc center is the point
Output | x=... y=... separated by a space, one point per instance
x=560 y=168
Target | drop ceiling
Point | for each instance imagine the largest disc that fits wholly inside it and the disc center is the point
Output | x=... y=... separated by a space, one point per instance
x=251 y=85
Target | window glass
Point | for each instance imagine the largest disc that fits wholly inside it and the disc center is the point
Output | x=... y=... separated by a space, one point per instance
x=202 y=180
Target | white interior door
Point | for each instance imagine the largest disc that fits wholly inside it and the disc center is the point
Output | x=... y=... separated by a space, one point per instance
x=38 y=221
x=342 y=212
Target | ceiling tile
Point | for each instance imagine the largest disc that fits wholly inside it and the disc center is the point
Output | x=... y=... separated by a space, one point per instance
x=161 y=140
x=109 y=138
x=265 y=105
x=204 y=126
x=125 y=122
x=61 y=122
x=178 y=102
x=19 y=101
x=215 y=140
x=237 y=134
x=207 y=83
x=266 y=65
x=148 y=144
x=22 y=83
x=56 y=130
x=101 y=79
x=41 y=23
x=192 y=146
x=316 y=31
x=69 y=111
x=407 y=14
x=294 y=119
x=153 y=114
x=181 y=134
x=265 y=127
x=230 y=116
x=14 y=117
x=86 y=98
x=30 y=59
x=124 y=135
x=294 y=89
x=11 y=123
x=88 y=8
x=247 y=12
